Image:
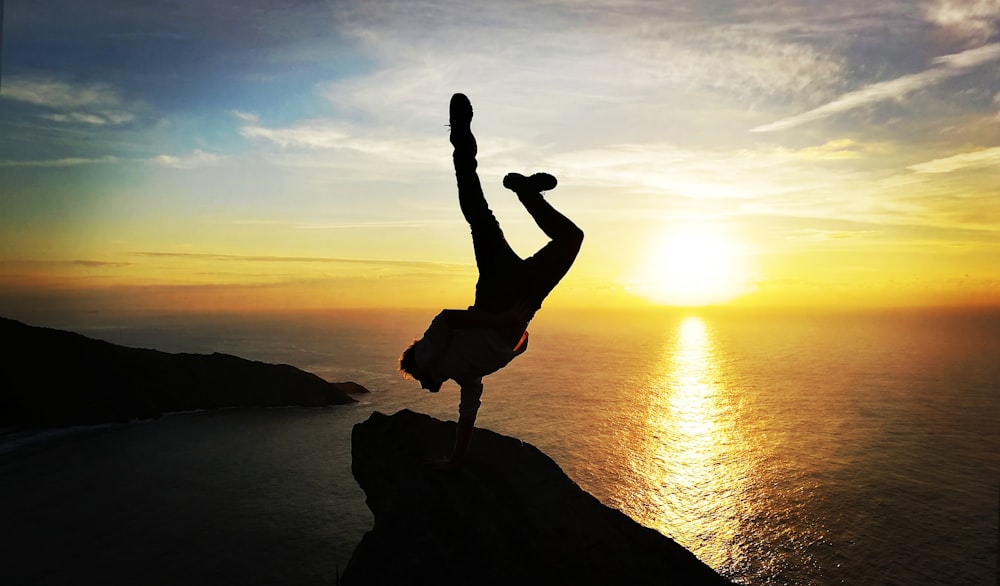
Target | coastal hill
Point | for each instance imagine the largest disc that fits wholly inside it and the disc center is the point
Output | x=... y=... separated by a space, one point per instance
x=56 y=378
x=509 y=516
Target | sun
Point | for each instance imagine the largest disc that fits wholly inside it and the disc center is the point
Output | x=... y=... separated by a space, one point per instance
x=693 y=265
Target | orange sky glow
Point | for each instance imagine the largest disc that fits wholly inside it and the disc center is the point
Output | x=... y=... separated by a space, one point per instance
x=742 y=156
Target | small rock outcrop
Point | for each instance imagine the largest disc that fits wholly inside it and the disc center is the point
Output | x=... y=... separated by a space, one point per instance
x=56 y=378
x=509 y=516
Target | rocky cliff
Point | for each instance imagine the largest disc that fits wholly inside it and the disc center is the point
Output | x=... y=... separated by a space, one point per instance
x=54 y=378
x=509 y=516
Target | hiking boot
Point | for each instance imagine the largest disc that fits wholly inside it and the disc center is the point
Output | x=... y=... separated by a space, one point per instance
x=460 y=113
x=460 y=119
x=537 y=183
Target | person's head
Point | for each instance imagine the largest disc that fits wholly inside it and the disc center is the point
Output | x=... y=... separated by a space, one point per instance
x=410 y=369
x=408 y=361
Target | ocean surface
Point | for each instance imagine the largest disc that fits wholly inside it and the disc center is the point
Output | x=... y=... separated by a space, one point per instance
x=780 y=447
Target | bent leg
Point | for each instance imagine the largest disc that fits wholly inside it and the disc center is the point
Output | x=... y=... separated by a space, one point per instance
x=555 y=225
x=544 y=269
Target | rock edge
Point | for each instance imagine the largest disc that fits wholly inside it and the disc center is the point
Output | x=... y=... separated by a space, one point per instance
x=509 y=516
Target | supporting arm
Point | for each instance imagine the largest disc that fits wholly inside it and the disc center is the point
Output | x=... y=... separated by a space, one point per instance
x=467 y=411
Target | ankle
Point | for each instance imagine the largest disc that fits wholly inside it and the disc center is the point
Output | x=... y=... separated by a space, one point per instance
x=463 y=142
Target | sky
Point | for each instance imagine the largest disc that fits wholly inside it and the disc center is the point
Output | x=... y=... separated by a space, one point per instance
x=258 y=155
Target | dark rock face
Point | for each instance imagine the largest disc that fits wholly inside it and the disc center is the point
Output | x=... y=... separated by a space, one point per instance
x=509 y=516
x=54 y=378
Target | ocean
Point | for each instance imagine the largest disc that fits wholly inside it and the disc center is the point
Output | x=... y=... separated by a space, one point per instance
x=781 y=447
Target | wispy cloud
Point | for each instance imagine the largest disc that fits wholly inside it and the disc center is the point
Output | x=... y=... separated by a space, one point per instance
x=65 y=162
x=837 y=150
x=706 y=174
x=317 y=134
x=101 y=263
x=197 y=158
x=86 y=263
x=304 y=259
x=359 y=151
x=943 y=68
x=634 y=70
x=975 y=20
x=975 y=159
x=53 y=93
x=94 y=104
x=248 y=117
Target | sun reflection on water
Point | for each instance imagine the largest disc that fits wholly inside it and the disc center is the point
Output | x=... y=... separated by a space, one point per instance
x=688 y=469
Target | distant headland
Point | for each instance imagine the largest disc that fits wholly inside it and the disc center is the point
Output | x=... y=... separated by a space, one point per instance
x=51 y=378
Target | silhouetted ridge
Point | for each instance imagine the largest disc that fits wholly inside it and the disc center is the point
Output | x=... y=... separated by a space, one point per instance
x=53 y=378
x=509 y=516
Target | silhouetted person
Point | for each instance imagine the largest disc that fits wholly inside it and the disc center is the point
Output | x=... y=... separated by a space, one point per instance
x=467 y=344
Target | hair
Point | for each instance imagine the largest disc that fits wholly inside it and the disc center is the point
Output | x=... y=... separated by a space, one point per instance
x=408 y=361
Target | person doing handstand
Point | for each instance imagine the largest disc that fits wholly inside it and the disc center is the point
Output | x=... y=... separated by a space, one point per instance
x=467 y=344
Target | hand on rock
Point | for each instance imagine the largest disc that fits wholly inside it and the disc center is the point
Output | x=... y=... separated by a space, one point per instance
x=443 y=464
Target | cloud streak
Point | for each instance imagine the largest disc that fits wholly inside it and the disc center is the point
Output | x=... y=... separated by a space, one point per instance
x=972 y=19
x=971 y=160
x=65 y=162
x=93 y=104
x=944 y=68
x=196 y=159
x=310 y=135
x=331 y=143
x=304 y=259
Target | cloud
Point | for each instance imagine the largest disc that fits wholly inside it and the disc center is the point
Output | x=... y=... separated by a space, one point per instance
x=976 y=159
x=839 y=179
x=574 y=58
x=317 y=134
x=88 y=263
x=198 y=158
x=974 y=20
x=304 y=259
x=66 y=162
x=95 y=104
x=100 y=264
x=359 y=151
x=732 y=177
x=945 y=67
x=333 y=134
x=835 y=150
x=52 y=93
x=247 y=117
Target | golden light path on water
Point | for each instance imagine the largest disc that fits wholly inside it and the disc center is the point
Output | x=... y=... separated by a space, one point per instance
x=689 y=469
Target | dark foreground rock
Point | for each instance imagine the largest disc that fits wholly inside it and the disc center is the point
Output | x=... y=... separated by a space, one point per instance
x=56 y=378
x=510 y=516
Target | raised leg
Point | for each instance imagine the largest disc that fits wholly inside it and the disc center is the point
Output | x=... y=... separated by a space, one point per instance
x=545 y=268
x=496 y=260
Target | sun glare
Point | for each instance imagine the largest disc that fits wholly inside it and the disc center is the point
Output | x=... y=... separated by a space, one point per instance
x=693 y=265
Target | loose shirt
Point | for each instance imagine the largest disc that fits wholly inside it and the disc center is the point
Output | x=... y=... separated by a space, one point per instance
x=464 y=355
